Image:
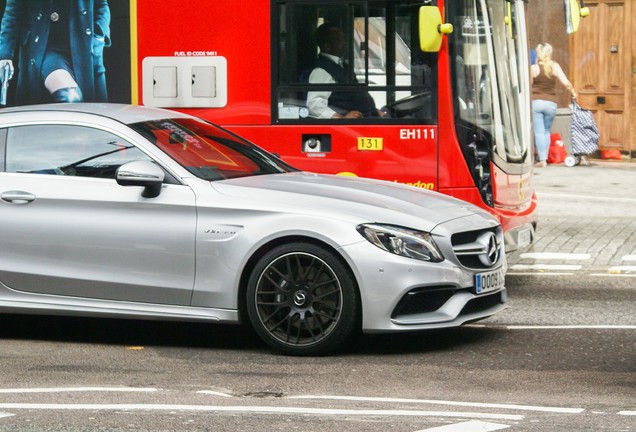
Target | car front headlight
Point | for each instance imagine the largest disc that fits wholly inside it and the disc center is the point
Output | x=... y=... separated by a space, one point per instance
x=402 y=241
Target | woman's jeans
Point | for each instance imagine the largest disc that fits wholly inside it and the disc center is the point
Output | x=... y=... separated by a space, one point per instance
x=543 y=114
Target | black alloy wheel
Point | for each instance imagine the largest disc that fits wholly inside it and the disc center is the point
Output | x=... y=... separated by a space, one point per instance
x=302 y=300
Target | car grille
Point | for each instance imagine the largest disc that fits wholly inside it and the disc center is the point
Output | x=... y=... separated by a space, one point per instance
x=474 y=251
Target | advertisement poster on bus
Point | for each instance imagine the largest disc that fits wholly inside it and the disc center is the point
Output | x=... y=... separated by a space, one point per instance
x=65 y=51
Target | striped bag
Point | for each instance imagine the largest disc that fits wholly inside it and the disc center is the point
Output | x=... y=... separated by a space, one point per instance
x=584 y=133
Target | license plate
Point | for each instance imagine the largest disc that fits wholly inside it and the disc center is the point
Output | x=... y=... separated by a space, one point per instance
x=524 y=237
x=489 y=281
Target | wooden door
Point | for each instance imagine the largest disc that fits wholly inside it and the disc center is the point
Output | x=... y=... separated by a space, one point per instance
x=601 y=68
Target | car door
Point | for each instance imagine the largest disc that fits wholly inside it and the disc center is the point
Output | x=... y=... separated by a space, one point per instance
x=68 y=229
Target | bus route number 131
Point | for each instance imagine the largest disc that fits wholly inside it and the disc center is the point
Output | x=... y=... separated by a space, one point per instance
x=370 y=144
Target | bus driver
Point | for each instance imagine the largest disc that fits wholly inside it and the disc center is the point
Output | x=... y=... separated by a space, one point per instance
x=330 y=69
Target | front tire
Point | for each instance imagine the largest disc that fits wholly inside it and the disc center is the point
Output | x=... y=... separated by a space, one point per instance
x=302 y=300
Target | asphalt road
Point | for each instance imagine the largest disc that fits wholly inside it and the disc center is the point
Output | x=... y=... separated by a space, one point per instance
x=562 y=357
x=533 y=368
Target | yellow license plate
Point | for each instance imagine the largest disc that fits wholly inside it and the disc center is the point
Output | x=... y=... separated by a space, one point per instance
x=370 y=144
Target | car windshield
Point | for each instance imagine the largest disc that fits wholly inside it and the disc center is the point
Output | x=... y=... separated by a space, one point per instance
x=208 y=151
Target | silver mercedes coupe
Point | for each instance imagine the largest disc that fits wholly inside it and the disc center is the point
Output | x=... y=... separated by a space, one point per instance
x=125 y=211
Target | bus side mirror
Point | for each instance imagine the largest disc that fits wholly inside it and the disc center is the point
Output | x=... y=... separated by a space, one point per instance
x=574 y=13
x=432 y=29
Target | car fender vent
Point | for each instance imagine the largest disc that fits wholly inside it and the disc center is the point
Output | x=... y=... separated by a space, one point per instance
x=480 y=304
x=423 y=300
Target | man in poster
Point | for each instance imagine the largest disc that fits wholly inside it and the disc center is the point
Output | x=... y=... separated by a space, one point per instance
x=61 y=45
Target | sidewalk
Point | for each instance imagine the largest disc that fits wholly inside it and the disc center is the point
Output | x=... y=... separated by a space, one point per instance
x=587 y=220
x=601 y=189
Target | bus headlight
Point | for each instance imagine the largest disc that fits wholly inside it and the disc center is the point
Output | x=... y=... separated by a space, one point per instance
x=402 y=241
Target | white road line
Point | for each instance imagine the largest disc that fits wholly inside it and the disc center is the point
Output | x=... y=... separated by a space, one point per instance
x=571 y=327
x=79 y=389
x=214 y=393
x=553 y=273
x=450 y=403
x=622 y=269
x=258 y=409
x=627 y=413
x=555 y=256
x=559 y=267
x=4 y=415
x=535 y=274
x=553 y=327
x=470 y=426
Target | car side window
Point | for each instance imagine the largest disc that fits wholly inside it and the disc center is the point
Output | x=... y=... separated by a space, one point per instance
x=67 y=150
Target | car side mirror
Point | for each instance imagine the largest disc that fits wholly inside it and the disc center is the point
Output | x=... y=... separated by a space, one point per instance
x=141 y=173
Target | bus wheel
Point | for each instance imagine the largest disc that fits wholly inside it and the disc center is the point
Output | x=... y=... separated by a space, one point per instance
x=302 y=300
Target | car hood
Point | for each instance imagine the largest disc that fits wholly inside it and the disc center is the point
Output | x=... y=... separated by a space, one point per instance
x=366 y=199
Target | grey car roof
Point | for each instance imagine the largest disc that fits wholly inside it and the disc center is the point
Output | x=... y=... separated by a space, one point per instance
x=120 y=112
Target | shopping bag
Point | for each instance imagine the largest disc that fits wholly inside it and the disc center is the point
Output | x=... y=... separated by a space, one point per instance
x=611 y=154
x=557 y=151
x=584 y=133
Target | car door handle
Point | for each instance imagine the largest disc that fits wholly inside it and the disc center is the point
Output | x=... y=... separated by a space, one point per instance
x=17 y=197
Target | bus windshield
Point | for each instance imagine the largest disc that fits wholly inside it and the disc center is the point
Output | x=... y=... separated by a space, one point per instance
x=490 y=77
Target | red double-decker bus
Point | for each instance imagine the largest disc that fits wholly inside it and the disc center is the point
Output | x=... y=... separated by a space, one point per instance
x=451 y=110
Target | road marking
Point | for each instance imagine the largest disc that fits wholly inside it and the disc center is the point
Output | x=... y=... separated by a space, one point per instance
x=214 y=393
x=571 y=327
x=555 y=256
x=538 y=273
x=258 y=409
x=553 y=327
x=443 y=402
x=469 y=426
x=4 y=415
x=79 y=389
x=552 y=273
x=623 y=269
x=557 y=267
x=547 y=256
x=627 y=413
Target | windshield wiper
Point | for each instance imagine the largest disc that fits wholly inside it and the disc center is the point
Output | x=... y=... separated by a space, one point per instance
x=79 y=162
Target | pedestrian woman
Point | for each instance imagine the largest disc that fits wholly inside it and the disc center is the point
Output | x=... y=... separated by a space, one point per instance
x=545 y=73
x=61 y=45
